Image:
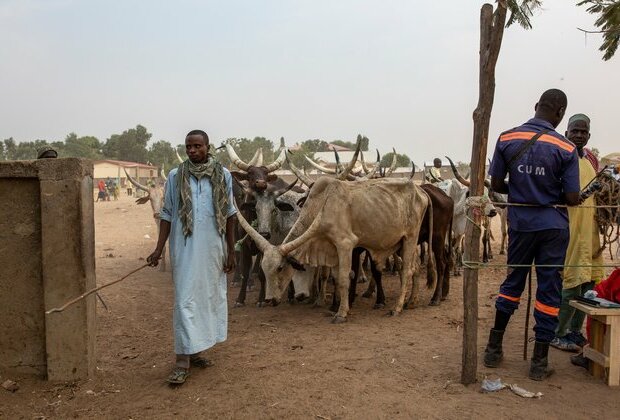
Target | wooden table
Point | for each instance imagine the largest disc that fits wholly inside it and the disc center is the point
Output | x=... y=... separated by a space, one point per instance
x=604 y=347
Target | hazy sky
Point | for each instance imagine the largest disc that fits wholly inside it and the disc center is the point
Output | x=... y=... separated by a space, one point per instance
x=404 y=73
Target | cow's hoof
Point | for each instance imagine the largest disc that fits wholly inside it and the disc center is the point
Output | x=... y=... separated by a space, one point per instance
x=378 y=306
x=363 y=280
x=318 y=304
x=261 y=304
x=239 y=304
x=337 y=319
x=434 y=302
x=367 y=294
x=393 y=312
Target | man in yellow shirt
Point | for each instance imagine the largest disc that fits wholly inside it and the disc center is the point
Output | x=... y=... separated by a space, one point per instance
x=584 y=245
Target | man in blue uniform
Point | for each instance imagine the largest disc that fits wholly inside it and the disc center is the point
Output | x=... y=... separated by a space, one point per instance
x=543 y=169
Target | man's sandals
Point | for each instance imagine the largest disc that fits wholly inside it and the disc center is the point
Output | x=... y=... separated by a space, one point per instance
x=179 y=374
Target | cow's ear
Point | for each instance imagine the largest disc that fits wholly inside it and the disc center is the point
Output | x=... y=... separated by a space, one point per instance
x=239 y=176
x=248 y=205
x=271 y=177
x=282 y=206
x=295 y=264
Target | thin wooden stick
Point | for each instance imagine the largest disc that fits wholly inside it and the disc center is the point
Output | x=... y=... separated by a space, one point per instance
x=527 y=314
x=91 y=291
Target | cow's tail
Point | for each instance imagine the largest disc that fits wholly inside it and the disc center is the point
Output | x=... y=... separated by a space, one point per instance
x=431 y=265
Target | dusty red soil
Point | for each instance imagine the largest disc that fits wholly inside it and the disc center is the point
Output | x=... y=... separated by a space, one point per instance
x=290 y=361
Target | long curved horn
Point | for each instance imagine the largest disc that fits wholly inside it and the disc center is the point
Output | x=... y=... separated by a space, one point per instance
x=179 y=158
x=161 y=173
x=286 y=189
x=393 y=165
x=276 y=164
x=347 y=170
x=434 y=177
x=412 y=171
x=303 y=177
x=257 y=159
x=289 y=247
x=457 y=175
x=364 y=166
x=262 y=243
x=319 y=167
x=234 y=158
x=136 y=183
x=373 y=171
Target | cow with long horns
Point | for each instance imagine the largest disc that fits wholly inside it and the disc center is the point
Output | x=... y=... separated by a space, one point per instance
x=381 y=215
x=253 y=177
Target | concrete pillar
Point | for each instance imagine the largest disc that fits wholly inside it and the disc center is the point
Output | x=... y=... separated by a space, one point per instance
x=47 y=257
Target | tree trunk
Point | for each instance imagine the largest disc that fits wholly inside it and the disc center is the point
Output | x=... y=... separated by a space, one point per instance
x=491 y=33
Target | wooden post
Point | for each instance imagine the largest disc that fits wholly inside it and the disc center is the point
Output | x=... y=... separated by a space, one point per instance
x=491 y=33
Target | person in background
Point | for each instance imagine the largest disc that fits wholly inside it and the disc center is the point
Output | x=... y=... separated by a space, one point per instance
x=435 y=171
x=584 y=248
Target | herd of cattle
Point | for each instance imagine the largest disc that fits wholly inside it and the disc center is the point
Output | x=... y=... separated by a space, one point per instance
x=329 y=229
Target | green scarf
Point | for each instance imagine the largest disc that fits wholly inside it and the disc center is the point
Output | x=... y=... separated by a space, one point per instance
x=212 y=169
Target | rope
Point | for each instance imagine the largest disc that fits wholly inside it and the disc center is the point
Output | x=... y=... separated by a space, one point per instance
x=475 y=265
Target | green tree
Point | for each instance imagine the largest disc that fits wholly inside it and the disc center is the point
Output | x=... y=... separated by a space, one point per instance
x=595 y=152
x=608 y=21
x=307 y=148
x=351 y=144
x=162 y=153
x=402 y=160
x=10 y=148
x=27 y=150
x=87 y=147
x=129 y=146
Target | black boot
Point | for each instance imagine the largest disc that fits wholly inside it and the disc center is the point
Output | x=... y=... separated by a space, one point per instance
x=493 y=354
x=538 y=367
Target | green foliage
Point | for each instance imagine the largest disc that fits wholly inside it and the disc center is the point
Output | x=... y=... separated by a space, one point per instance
x=129 y=146
x=403 y=160
x=351 y=145
x=307 y=148
x=87 y=147
x=608 y=22
x=162 y=153
x=10 y=148
x=521 y=12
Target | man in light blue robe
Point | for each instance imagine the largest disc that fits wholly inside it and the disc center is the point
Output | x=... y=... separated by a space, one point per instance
x=198 y=217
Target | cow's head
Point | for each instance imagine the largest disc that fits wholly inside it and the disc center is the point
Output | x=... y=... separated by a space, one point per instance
x=266 y=204
x=154 y=195
x=257 y=175
x=489 y=209
x=277 y=263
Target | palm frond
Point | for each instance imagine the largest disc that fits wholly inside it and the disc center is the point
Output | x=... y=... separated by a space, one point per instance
x=608 y=22
x=521 y=11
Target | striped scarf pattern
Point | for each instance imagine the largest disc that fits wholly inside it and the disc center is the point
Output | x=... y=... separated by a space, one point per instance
x=212 y=169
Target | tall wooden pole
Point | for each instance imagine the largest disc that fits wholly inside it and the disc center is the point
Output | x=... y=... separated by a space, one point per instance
x=491 y=33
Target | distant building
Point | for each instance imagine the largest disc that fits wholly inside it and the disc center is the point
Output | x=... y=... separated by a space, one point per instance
x=114 y=169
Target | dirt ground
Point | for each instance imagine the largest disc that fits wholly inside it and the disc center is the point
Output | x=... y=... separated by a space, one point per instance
x=290 y=361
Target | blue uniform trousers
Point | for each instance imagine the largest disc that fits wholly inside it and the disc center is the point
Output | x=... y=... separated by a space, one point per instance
x=544 y=247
